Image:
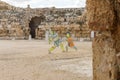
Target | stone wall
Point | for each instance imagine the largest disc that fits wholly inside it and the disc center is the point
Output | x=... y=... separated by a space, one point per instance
x=75 y=30
x=104 y=17
x=18 y=20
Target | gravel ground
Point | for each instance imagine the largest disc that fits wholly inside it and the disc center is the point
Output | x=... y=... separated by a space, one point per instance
x=29 y=60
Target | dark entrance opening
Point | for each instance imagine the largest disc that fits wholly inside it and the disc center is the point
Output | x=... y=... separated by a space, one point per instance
x=34 y=23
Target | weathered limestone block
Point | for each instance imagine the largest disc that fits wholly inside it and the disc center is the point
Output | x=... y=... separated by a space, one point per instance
x=118 y=62
x=104 y=58
x=103 y=17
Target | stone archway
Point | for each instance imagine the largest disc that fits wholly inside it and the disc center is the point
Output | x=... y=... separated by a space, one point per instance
x=34 y=23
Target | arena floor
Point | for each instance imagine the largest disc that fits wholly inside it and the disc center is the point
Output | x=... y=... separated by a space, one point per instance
x=29 y=60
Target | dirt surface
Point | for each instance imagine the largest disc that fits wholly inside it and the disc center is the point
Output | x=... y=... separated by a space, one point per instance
x=29 y=60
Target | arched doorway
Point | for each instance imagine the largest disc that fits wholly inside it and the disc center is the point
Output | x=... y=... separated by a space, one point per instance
x=34 y=23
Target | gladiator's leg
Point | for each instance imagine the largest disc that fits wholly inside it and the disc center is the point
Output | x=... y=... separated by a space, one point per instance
x=62 y=47
x=51 y=49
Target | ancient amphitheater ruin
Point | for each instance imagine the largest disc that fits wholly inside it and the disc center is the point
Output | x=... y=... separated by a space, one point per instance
x=22 y=22
x=102 y=16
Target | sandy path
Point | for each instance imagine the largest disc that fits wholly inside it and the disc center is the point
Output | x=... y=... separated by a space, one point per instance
x=29 y=60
